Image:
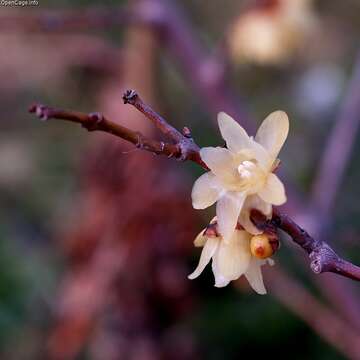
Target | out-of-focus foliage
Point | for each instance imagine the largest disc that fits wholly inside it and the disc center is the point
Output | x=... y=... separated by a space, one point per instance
x=42 y=169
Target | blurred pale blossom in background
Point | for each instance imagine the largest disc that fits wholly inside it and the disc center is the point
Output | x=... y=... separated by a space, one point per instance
x=271 y=34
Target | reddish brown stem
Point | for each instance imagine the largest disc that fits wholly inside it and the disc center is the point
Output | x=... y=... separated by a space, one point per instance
x=184 y=149
x=189 y=150
x=97 y=122
x=132 y=97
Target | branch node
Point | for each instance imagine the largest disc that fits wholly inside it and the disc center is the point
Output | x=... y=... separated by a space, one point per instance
x=186 y=132
x=41 y=111
x=315 y=265
x=95 y=119
x=139 y=144
x=130 y=97
x=187 y=148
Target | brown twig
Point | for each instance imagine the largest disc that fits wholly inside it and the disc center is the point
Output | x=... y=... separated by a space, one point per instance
x=131 y=97
x=97 y=122
x=184 y=148
x=323 y=257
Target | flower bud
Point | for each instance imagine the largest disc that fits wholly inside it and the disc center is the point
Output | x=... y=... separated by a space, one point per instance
x=264 y=245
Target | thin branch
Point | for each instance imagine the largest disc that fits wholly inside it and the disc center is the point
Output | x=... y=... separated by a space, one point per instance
x=184 y=149
x=97 y=122
x=323 y=257
x=131 y=97
x=322 y=319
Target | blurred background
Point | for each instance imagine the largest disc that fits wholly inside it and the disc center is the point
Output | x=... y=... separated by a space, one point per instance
x=96 y=236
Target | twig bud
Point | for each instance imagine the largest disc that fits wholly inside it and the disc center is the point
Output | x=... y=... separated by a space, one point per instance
x=129 y=96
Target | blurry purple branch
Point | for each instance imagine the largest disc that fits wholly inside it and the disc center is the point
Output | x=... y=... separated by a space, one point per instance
x=323 y=257
x=327 y=182
x=337 y=153
x=331 y=327
x=205 y=73
x=131 y=97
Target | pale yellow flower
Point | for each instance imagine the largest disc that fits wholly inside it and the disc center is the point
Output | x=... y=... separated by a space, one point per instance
x=240 y=176
x=230 y=260
x=272 y=35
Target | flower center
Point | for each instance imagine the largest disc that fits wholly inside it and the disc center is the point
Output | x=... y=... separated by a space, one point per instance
x=251 y=175
x=247 y=169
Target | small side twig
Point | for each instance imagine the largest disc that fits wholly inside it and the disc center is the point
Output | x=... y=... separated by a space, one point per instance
x=188 y=149
x=183 y=149
x=97 y=122
x=131 y=97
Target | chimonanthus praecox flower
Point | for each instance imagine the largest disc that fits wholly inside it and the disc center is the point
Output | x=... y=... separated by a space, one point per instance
x=241 y=175
x=230 y=260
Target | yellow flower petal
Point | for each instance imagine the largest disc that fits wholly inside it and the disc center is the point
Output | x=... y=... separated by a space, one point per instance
x=233 y=133
x=228 y=208
x=273 y=132
x=205 y=191
x=207 y=253
x=220 y=161
x=232 y=259
x=254 y=276
x=253 y=202
x=273 y=192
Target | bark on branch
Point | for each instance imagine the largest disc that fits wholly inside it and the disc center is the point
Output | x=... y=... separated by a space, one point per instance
x=323 y=257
